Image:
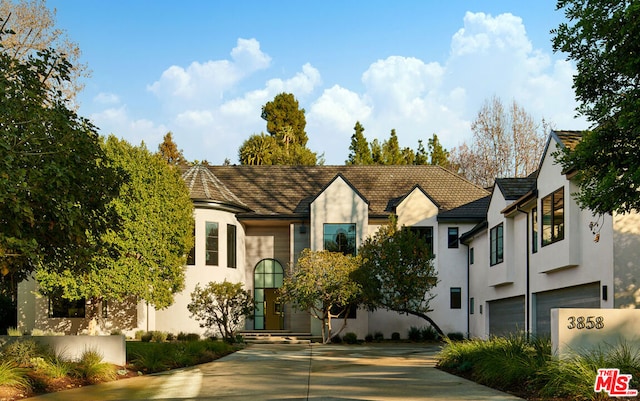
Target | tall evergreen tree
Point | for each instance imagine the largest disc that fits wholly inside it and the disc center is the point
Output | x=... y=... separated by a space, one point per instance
x=422 y=157
x=439 y=155
x=285 y=119
x=360 y=153
x=391 y=153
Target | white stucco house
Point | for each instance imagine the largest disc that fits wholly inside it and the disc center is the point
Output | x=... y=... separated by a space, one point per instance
x=504 y=257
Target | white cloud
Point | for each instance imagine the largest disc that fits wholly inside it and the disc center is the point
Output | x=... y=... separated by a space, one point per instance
x=117 y=121
x=106 y=98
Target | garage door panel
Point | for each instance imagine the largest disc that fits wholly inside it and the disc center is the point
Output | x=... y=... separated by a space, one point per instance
x=582 y=296
x=506 y=316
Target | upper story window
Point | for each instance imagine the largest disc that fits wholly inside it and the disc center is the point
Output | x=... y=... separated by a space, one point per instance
x=340 y=238
x=456 y=298
x=426 y=233
x=212 y=244
x=534 y=230
x=496 y=238
x=453 y=237
x=553 y=217
x=191 y=257
x=232 y=254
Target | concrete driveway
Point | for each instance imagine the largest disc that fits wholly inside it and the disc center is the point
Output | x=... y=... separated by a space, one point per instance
x=383 y=372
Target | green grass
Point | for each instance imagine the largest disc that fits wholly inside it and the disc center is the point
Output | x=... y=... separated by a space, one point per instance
x=12 y=375
x=91 y=367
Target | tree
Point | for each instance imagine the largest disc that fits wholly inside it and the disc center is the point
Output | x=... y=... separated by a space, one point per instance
x=391 y=153
x=319 y=283
x=359 y=154
x=439 y=155
x=222 y=305
x=506 y=143
x=33 y=24
x=56 y=182
x=422 y=157
x=168 y=150
x=286 y=144
x=397 y=272
x=144 y=257
x=602 y=38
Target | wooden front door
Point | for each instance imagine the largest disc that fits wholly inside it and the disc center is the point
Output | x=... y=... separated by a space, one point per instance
x=273 y=310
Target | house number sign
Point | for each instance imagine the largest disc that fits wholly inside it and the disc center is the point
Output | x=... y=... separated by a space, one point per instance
x=588 y=323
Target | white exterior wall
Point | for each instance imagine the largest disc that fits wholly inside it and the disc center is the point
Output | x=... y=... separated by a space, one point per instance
x=176 y=318
x=479 y=287
x=626 y=247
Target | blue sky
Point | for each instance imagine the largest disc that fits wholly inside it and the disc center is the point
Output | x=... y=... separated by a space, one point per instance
x=203 y=69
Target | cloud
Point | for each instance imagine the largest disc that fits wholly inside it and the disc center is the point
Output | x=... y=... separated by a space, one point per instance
x=106 y=98
x=118 y=122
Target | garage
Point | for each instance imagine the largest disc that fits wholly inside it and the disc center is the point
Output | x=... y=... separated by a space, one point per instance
x=581 y=296
x=506 y=316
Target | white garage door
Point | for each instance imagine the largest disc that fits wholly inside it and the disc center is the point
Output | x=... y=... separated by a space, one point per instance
x=581 y=296
x=506 y=316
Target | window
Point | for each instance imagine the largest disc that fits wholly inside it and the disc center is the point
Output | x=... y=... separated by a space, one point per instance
x=340 y=238
x=231 y=246
x=453 y=237
x=471 y=256
x=553 y=217
x=534 y=230
x=191 y=257
x=497 y=245
x=480 y=309
x=351 y=312
x=212 y=244
x=426 y=233
x=60 y=307
x=456 y=298
x=472 y=305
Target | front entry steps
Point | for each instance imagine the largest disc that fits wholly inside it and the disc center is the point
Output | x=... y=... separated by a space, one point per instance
x=275 y=337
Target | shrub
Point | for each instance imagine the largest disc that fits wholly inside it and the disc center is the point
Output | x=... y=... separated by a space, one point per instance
x=395 y=336
x=158 y=336
x=336 y=339
x=146 y=337
x=188 y=337
x=414 y=334
x=116 y=332
x=12 y=375
x=138 y=335
x=368 y=338
x=378 y=336
x=455 y=336
x=429 y=334
x=350 y=338
x=22 y=351
x=54 y=366
x=91 y=367
x=14 y=332
x=171 y=337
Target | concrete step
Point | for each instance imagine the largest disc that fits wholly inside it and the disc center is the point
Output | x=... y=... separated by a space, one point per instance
x=275 y=337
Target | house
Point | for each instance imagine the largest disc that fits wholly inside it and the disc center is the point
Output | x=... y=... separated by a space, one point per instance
x=504 y=258
x=538 y=250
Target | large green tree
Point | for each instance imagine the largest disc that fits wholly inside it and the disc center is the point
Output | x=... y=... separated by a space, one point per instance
x=359 y=154
x=603 y=38
x=145 y=256
x=397 y=272
x=321 y=283
x=56 y=184
x=287 y=140
x=439 y=155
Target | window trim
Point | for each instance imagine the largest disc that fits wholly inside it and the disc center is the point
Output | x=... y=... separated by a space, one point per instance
x=556 y=234
x=453 y=237
x=455 y=298
x=426 y=233
x=496 y=244
x=232 y=249
x=534 y=230
x=350 y=235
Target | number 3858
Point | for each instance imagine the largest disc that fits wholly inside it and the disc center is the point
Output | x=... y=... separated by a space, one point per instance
x=585 y=322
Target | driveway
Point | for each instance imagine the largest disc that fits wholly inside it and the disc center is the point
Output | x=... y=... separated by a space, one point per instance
x=384 y=372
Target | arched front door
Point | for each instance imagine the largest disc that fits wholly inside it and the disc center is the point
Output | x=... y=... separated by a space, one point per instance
x=269 y=312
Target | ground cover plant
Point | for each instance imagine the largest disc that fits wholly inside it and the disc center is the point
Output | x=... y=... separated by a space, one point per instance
x=28 y=369
x=523 y=365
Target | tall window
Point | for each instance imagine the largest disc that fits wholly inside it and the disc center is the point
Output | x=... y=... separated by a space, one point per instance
x=471 y=256
x=340 y=238
x=534 y=230
x=456 y=298
x=212 y=244
x=191 y=257
x=453 y=237
x=231 y=246
x=497 y=244
x=472 y=306
x=426 y=233
x=553 y=217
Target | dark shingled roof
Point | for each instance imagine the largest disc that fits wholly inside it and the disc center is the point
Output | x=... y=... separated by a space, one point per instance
x=286 y=190
x=203 y=185
x=514 y=188
x=472 y=211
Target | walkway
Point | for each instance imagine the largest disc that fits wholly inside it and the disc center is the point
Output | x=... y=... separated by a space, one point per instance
x=384 y=372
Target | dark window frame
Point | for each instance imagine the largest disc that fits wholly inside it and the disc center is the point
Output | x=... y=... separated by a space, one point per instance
x=455 y=297
x=340 y=237
x=212 y=246
x=452 y=237
x=552 y=221
x=63 y=308
x=534 y=230
x=472 y=257
x=232 y=252
x=191 y=256
x=426 y=233
x=496 y=244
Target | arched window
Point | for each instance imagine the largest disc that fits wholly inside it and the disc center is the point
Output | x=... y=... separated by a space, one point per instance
x=268 y=276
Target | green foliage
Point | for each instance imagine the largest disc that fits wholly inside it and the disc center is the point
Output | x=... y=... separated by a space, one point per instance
x=350 y=338
x=320 y=281
x=221 y=305
x=12 y=375
x=146 y=337
x=145 y=256
x=168 y=151
x=455 y=336
x=602 y=39
x=285 y=119
x=91 y=368
x=157 y=357
x=414 y=334
x=360 y=154
x=159 y=336
x=397 y=272
x=439 y=155
x=14 y=332
x=378 y=336
x=336 y=339
x=21 y=351
x=55 y=366
x=429 y=334
x=395 y=336
x=575 y=376
x=55 y=179
x=368 y=338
